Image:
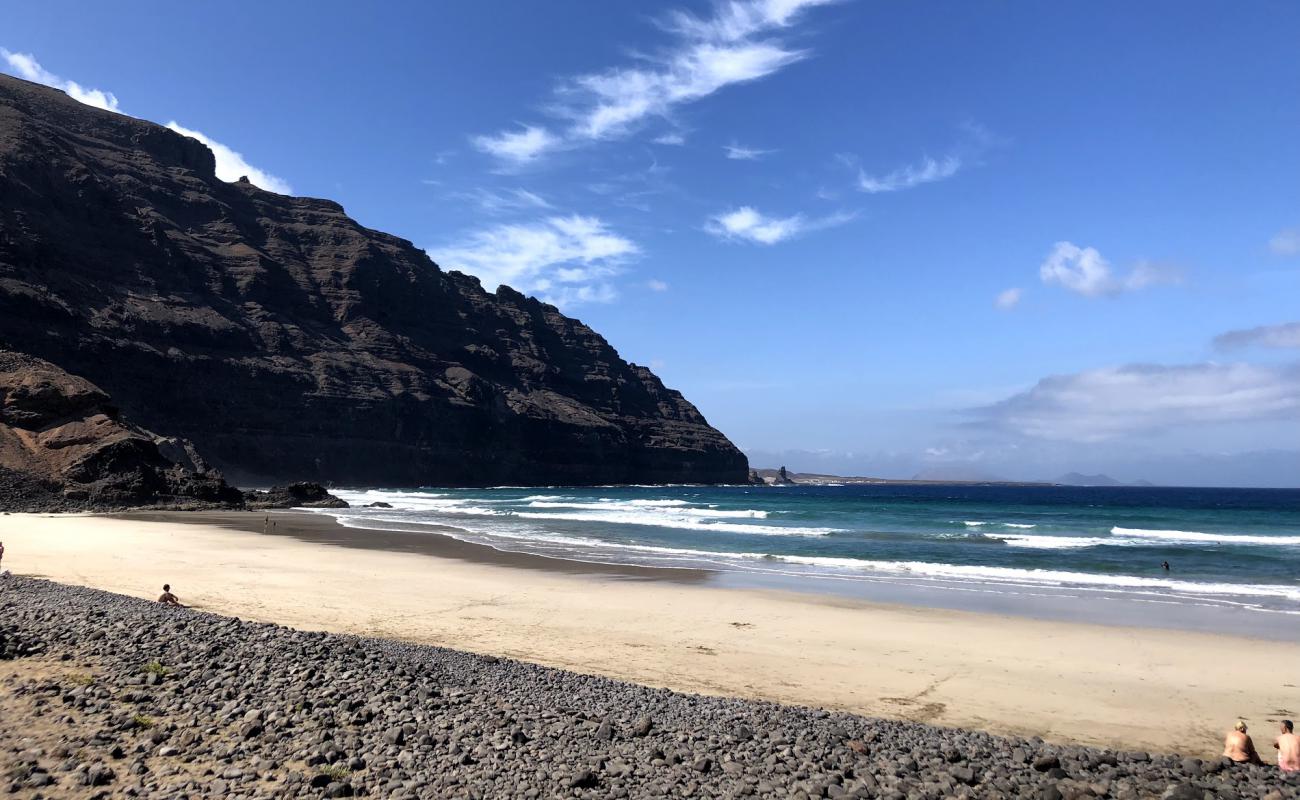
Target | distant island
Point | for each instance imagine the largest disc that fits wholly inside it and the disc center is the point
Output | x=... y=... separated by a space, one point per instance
x=934 y=475
x=1080 y=479
x=782 y=476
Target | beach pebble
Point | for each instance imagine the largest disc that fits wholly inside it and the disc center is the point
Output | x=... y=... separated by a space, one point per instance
x=252 y=710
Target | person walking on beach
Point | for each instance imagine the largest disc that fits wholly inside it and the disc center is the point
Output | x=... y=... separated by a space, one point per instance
x=1288 y=748
x=1239 y=747
x=2 y=553
x=167 y=598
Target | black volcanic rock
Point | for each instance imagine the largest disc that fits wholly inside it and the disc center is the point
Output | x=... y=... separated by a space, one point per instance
x=295 y=495
x=287 y=341
x=64 y=446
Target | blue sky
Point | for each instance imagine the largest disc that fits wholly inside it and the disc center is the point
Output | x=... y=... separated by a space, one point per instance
x=1011 y=238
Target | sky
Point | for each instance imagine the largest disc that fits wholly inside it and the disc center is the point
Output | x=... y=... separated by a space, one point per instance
x=1008 y=239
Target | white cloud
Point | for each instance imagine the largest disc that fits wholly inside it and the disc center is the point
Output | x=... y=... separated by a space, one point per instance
x=231 y=165
x=518 y=147
x=1082 y=270
x=905 y=177
x=1132 y=400
x=673 y=139
x=736 y=45
x=1008 y=299
x=1285 y=335
x=564 y=260
x=656 y=285
x=25 y=65
x=503 y=200
x=738 y=152
x=1286 y=242
x=747 y=224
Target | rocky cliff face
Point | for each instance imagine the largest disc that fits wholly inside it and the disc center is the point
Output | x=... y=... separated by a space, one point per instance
x=287 y=341
x=64 y=446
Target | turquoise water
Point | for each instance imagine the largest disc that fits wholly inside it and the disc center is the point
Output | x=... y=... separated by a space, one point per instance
x=1226 y=547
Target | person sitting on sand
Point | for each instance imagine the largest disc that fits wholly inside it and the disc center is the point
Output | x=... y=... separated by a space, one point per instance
x=167 y=598
x=1288 y=748
x=1239 y=747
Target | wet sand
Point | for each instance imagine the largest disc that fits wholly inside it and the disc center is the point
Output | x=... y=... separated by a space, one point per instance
x=1126 y=687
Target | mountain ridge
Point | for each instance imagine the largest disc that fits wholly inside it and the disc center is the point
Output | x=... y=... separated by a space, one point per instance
x=288 y=341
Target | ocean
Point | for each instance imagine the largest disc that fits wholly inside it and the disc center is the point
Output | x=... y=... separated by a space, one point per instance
x=1026 y=549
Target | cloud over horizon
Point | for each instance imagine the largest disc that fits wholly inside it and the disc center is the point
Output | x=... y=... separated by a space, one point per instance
x=1284 y=335
x=1112 y=402
x=739 y=43
x=1085 y=272
x=564 y=260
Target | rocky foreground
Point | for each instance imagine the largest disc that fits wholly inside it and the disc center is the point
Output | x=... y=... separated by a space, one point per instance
x=103 y=695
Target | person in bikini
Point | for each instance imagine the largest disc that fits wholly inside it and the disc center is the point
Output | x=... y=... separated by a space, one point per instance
x=1288 y=748
x=1239 y=747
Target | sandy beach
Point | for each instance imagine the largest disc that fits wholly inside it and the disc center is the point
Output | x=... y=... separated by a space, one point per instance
x=1128 y=688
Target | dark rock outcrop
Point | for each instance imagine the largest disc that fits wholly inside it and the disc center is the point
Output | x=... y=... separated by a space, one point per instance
x=64 y=446
x=287 y=341
x=295 y=495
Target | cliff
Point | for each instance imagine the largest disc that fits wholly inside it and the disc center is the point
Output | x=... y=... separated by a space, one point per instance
x=285 y=340
x=64 y=446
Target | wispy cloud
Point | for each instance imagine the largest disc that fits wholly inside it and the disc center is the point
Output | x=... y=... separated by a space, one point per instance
x=499 y=201
x=1286 y=242
x=565 y=260
x=1137 y=399
x=656 y=285
x=739 y=43
x=749 y=225
x=738 y=152
x=673 y=139
x=1008 y=299
x=518 y=147
x=1285 y=335
x=1082 y=270
x=25 y=65
x=928 y=170
x=231 y=165
x=973 y=142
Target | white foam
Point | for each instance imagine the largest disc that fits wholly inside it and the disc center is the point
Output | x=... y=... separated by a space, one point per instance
x=1049 y=577
x=673 y=508
x=1050 y=542
x=682 y=522
x=973 y=524
x=1196 y=537
x=1017 y=525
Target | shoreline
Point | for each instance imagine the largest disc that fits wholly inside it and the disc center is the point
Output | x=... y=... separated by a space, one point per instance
x=1129 y=688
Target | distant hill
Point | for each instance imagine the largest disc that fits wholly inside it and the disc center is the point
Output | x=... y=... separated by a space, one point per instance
x=1079 y=479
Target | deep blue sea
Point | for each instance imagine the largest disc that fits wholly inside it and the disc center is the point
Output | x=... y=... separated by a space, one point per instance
x=1231 y=548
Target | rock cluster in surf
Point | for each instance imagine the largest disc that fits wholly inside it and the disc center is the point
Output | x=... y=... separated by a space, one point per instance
x=126 y=697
